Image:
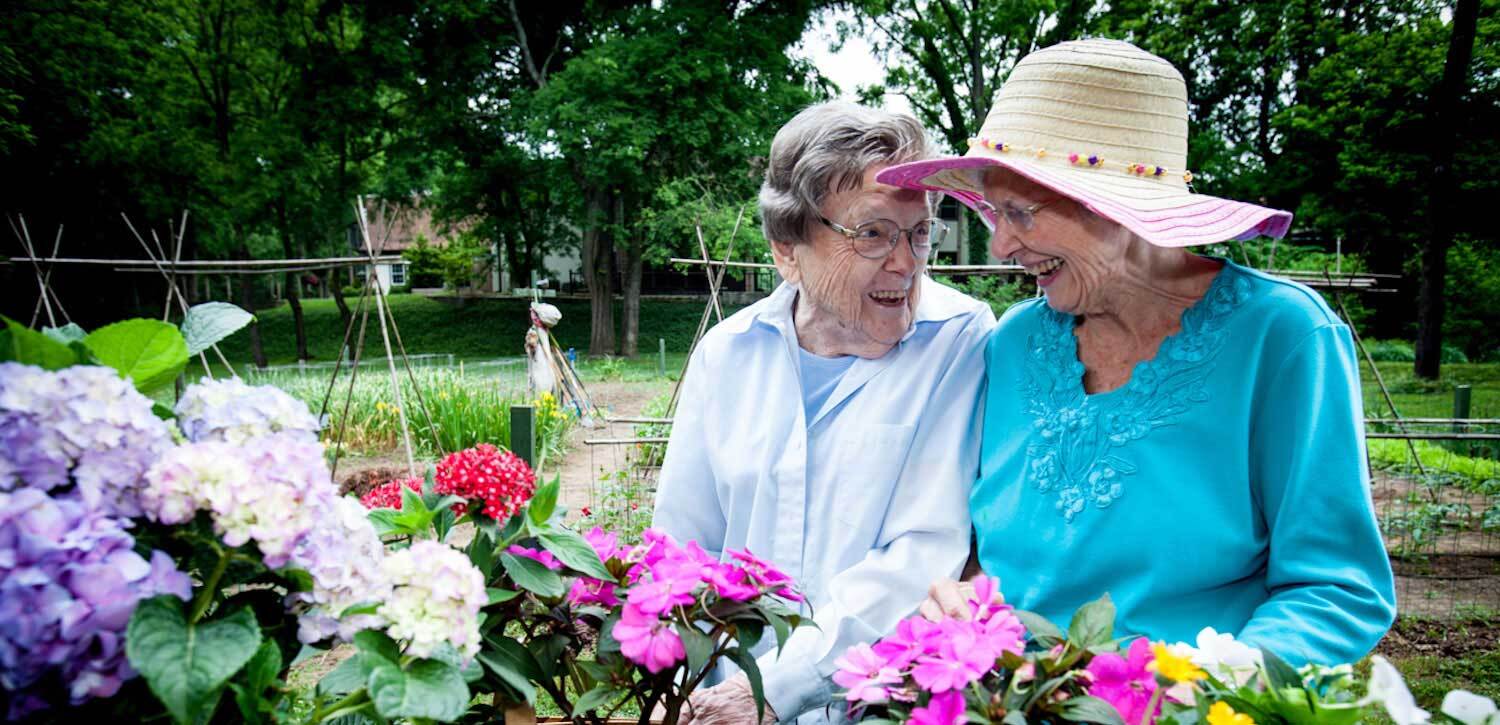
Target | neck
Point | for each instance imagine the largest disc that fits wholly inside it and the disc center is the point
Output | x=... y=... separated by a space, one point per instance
x=820 y=332
x=1146 y=300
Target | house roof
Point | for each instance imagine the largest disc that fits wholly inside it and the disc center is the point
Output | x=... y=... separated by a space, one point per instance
x=401 y=225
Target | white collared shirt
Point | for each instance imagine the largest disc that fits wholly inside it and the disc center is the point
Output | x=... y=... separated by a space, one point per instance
x=865 y=504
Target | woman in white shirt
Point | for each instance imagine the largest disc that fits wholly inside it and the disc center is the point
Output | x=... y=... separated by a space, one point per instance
x=833 y=427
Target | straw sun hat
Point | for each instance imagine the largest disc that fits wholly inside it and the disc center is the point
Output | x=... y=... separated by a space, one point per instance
x=1105 y=124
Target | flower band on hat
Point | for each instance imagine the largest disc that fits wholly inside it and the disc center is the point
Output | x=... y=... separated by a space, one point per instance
x=1090 y=160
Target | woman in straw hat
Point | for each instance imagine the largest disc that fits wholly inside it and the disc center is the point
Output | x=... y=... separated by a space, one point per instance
x=831 y=428
x=1177 y=430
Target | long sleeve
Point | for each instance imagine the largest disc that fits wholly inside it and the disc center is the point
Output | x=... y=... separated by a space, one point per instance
x=687 y=505
x=923 y=535
x=1331 y=592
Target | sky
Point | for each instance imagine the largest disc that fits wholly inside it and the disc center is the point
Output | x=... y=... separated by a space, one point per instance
x=853 y=66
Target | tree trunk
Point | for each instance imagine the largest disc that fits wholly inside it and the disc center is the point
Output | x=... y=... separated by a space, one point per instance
x=630 y=345
x=247 y=303
x=598 y=274
x=1444 y=188
x=293 y=282
x=345 y=316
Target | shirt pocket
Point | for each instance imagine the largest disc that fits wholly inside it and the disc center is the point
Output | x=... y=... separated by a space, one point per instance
x=870 y=457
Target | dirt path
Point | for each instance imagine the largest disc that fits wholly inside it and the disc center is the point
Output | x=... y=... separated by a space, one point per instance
x=583 y=464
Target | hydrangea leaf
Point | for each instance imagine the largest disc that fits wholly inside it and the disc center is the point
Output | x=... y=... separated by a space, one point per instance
x=425 y=689
x=211 y=322
x=24 y=345
x=149 y=352
x=186 y=665
x=67 y=334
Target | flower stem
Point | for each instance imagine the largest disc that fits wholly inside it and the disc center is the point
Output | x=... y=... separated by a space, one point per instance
x=210 y=586
x=352 y=702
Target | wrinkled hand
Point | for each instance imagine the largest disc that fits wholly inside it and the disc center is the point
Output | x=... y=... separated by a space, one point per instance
x=948 y=599
x=731 y=703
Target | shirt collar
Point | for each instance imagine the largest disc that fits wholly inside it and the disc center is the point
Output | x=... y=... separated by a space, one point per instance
x=939 y=303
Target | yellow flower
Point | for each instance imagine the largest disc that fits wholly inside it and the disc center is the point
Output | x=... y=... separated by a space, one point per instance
x=443 y=394
x=379 y=405
x=1173 y=665
x=1222 y=714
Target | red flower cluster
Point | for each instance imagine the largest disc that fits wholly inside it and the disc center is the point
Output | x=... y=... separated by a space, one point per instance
x=388 y=495
x=500 y=478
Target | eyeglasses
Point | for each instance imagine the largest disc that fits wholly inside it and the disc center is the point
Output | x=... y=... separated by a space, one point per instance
x=1016 y=216
x=875 y=239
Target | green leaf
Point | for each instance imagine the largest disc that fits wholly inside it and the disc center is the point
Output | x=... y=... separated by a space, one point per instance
x=742 y=657
x=360 y=608
x=411 y=502
x=782 y=628
x=699 y=647
x=379 y=644
x=513 y=664
x=186 y=665
x=258 y=675
x=1014 y=717
x=749 y=632
x=595 y=699
x=350 y=675
x=67 y=334
x=1093 y=623
x=427 y=688
x=1043 y=631
x=543 y=502
x=482 y=555
x=211 y=322
x=500 y=596
x=149 y=352
x=30 y=347
x=1279 y=672
x=532 y=575
x=574 y=551
x=548 y=652
x=1087 y=708
x=607 y=642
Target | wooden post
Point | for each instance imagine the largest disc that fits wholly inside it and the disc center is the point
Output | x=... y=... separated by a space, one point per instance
x=661 y=358
x=523 y=433
x=1460 y=404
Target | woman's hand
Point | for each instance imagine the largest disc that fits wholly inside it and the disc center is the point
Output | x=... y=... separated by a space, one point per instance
x=948 y=599
x=731 y=703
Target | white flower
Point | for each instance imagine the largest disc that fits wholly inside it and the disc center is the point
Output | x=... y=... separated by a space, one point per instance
x=231 y=411
x=437 y=597
x=1222 y=656
x=1389 y=688
x=1470 y=709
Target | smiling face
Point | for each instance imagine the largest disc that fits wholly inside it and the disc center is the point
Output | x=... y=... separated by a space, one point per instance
x=855 y=305
x=1075 y=255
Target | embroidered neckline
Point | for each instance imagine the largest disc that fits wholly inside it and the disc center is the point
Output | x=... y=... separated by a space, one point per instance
x=1077 y=436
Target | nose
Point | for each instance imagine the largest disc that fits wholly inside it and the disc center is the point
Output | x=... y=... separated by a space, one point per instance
x=1004 y=244
x=901 y=260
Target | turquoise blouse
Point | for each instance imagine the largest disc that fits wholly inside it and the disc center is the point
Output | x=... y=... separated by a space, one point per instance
x=1224 y=485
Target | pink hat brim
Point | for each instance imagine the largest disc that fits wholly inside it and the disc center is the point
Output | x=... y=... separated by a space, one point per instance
x=1194 y=219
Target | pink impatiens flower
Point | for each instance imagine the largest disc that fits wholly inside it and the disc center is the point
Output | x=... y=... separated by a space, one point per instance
x=865 y=675
x=943 y=709
x=767 y=575
x=647 y=640
x=914 y=637
x=673 y=580
x=1125 y=682
x=588 y=590
x=606 y=544
x=539 y=555
x=963 y=656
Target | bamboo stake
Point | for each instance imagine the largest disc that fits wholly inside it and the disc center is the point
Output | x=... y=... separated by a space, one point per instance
x=390 y=359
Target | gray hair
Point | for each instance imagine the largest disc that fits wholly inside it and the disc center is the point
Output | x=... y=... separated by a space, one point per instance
x=826 y=149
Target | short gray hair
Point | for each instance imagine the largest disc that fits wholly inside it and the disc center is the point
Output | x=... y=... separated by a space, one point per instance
x=826 y=149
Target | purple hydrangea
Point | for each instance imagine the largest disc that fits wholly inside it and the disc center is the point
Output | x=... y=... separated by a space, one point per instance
x=82 y=425
x=343 y=554
x=69 y=581
x=233 y=412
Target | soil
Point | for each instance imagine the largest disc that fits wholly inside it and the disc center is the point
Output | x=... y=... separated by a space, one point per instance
x=1418 y=636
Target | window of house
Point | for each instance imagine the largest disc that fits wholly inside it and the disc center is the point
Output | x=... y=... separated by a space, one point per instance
x=398 y=275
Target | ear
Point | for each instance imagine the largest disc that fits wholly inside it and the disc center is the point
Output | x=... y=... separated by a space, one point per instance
x=785 y=256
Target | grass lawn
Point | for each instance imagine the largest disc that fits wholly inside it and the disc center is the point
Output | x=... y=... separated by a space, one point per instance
x=479 y=328
x=1416 y=398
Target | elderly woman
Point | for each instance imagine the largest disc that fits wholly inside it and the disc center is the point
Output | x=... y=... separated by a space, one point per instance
x=1177 y=430
x=832 y=427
